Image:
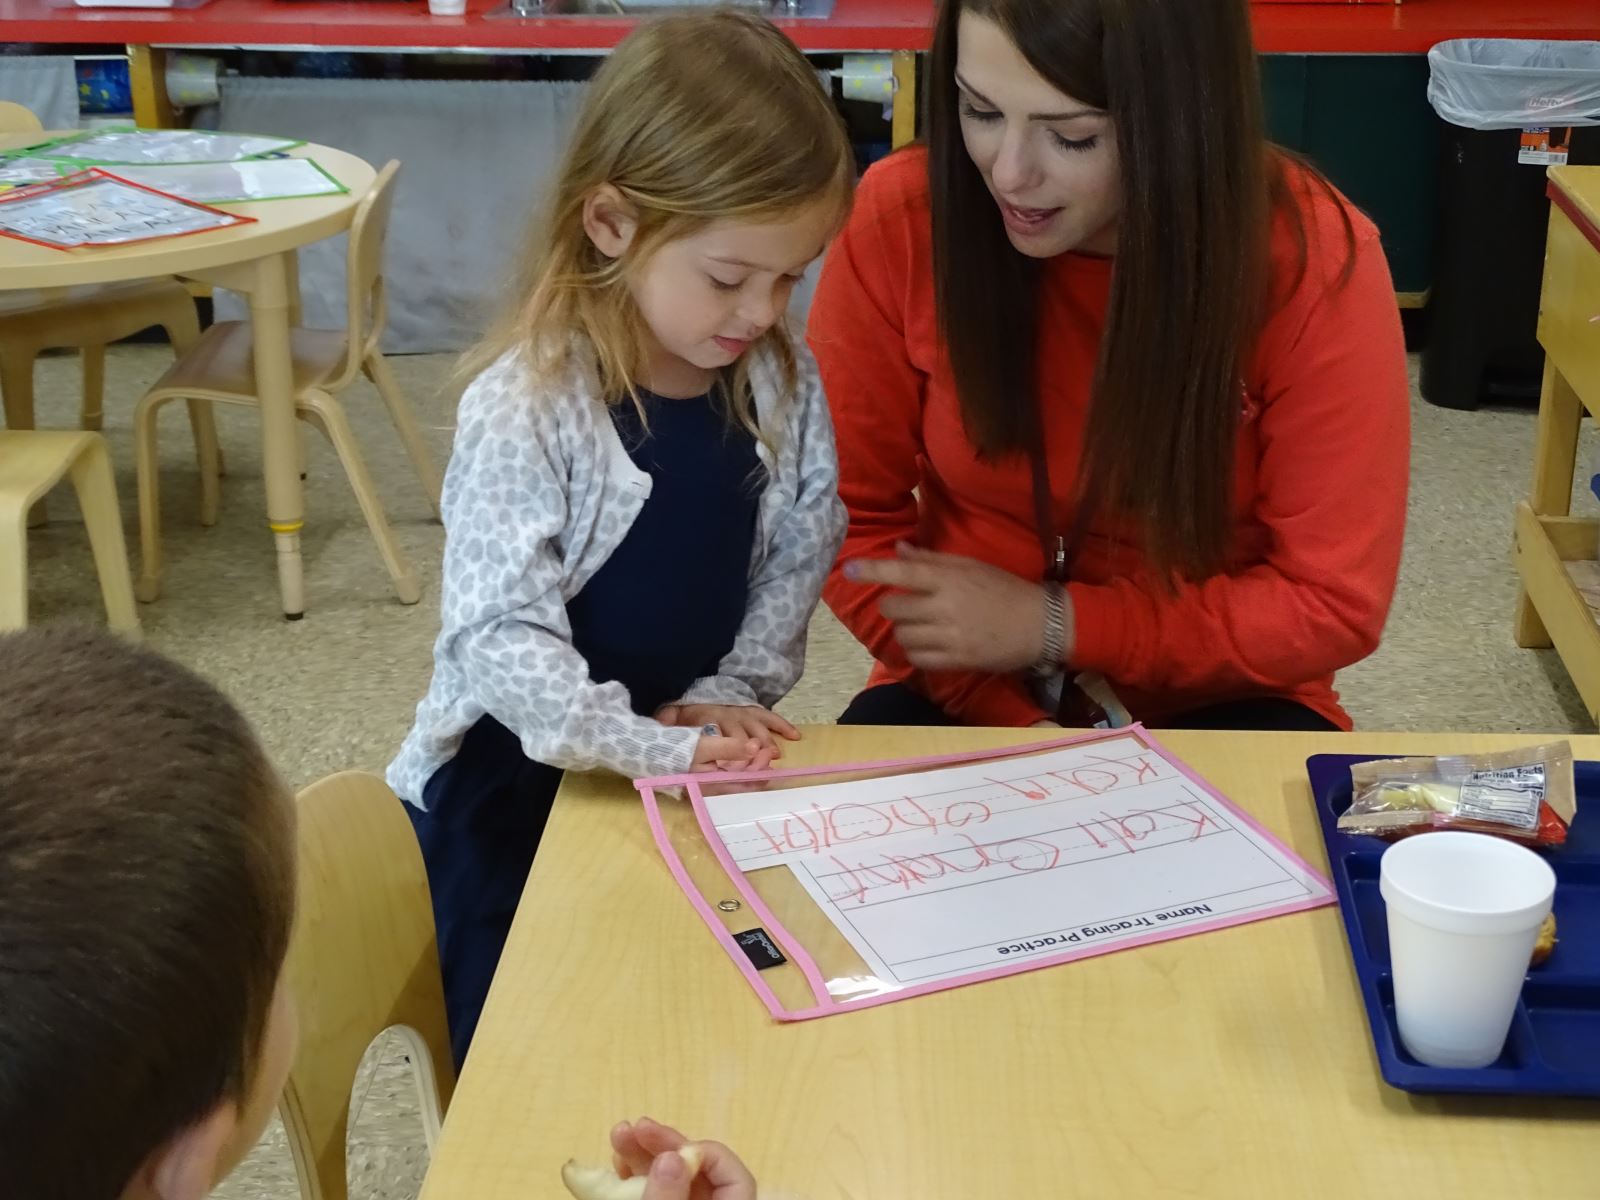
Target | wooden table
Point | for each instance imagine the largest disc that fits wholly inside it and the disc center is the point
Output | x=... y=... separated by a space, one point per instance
x=256 y=259
x=1551 y=609
x=1234 y=1064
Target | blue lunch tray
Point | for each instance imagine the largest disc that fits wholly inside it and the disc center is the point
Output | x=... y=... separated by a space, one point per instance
x=1554 y=1046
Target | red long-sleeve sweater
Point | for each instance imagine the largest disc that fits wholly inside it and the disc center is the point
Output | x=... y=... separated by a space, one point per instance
x=1320 y=471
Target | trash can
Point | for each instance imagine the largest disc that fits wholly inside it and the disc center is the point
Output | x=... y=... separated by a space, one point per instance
x=1511 y=108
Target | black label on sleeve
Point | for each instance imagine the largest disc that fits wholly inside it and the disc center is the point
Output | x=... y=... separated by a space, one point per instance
x=760 y=949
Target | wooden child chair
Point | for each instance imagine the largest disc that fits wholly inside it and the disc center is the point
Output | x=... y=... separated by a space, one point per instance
x=363 y=960
x=31 y=463
x=326 y=362
x=17 y=118
x=87 y=319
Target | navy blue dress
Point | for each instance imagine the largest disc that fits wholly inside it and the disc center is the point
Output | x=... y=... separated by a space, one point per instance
x=660 y=613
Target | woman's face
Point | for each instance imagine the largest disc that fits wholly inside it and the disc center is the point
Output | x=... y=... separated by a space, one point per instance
x=1050 y=161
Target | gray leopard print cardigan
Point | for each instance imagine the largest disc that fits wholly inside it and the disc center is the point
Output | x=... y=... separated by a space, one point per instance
x=539 y=492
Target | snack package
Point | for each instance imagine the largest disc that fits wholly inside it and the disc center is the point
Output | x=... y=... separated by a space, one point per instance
x=1525 y=795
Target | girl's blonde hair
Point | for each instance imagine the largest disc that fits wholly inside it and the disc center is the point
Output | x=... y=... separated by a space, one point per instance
x=693 y=118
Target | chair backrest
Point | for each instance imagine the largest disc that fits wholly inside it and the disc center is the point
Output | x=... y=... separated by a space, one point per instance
x=366 y=302
x=363 y=959
x=14 y=118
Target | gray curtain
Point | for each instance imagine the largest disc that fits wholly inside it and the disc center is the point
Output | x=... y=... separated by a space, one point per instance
x=476 y=158
x=47 y=84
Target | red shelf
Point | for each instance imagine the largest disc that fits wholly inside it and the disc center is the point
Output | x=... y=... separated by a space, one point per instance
x=348 y=24
x=1414 y=27
x=1409 y=28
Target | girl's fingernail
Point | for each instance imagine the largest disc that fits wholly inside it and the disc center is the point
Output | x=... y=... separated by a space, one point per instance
x=668 y=1168
x=852 y=571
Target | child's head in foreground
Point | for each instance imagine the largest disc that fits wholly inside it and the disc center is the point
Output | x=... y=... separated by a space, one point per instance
x=707 y=170
x=146 y=898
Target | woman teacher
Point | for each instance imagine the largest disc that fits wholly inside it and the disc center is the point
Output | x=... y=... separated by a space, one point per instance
x=1120 y=388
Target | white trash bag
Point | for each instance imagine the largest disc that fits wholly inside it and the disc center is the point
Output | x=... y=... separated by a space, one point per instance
x=1512 y=83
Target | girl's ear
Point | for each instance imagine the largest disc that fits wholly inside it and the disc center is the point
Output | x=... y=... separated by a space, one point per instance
x=609 y=220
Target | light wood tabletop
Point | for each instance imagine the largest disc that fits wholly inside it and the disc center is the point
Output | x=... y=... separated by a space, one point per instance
x=1226 y=1064
x=256 y=259
x=1236 y=1063
x=278 y=225
x=1582 y=186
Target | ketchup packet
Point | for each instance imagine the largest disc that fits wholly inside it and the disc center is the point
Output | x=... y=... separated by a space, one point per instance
x=1526 y=795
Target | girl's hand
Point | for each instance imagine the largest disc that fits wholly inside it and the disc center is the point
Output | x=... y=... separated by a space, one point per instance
x=959 y=614
x=713 y=753
x=644 y=1147
x=732 y=720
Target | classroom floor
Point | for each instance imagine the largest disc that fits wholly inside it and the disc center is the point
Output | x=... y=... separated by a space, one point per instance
x=337 y=689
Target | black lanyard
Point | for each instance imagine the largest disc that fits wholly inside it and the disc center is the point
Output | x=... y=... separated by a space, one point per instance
x=1060 y=551
x=1077 y=709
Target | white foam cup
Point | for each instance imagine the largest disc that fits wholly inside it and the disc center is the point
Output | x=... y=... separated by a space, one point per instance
x=1464 y=912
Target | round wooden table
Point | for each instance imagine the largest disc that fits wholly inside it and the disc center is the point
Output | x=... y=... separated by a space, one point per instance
x=257 y=260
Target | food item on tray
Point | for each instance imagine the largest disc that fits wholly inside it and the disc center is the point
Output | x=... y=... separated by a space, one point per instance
x=1526 y=795
x=1546 y=943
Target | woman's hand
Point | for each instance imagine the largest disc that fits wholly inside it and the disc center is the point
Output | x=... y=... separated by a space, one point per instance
x=645 y=1147
x=958 y=613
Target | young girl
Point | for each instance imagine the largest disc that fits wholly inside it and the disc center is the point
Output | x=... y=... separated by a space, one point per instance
x=641 y=504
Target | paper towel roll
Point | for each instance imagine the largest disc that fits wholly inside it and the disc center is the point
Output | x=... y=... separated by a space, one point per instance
x=868 y=77
x=192 y=80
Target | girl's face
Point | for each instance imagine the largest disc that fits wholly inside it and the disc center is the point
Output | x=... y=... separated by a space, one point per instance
x=1050 y=161
x=705 y=298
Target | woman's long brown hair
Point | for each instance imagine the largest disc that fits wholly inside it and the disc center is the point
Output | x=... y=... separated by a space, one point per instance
x=1200 y=189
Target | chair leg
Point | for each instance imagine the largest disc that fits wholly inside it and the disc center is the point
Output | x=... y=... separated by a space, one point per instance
x=183 y=328
x=97 y=497
x=203 y=424
x=182 y=325
x=16 y=388
x=92 y=415
x=145 y=413
x=16 y=395
x=378 y=370
x=327 y=413
x=13 y=571
x=320 y=1165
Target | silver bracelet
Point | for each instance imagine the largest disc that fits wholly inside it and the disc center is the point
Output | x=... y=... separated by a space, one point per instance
x=1055 y=632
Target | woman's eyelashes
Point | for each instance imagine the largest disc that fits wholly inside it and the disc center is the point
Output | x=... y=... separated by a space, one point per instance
x=1081 y=145
x=985 y=116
